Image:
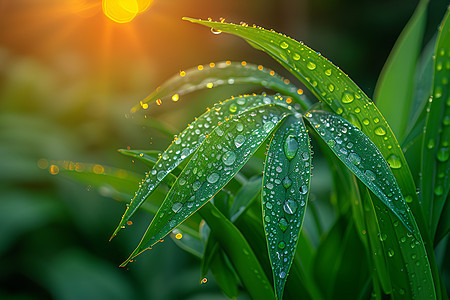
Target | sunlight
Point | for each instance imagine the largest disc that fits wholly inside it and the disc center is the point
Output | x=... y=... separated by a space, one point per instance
x=124 y=11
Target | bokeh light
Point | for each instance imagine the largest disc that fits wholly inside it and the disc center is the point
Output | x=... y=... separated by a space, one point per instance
x=124 y=11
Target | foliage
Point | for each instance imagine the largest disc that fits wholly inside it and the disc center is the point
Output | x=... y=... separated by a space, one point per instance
x=249 y=230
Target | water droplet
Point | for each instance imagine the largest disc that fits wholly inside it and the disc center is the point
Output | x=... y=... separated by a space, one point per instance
x=382 y=236
x=331 y=143
x=408 y=199
x=290 y=147
x=216 y=31
x=390 y=252
x=176 y=207
x=229 y=158
x=213 y=178
x=282 y=274
x=296 y=56
x=380 y=131
x=290 y=206
x=239 y=140
x=328 y=72
x=331 y=87
x=196 y=185
x=354 y=158
x=239 y=127
x=284 y=45
x=311 y=65
x=442 y=154
x=430 y=144
x=283 y=224
x=347 y=97
x=287 y=182
x=370 y=175
x=161 y=175
x=269 y=185
x=269 y=205
x=268 y=126
x=233 y=108
x=281 y=245
x=366 y=121
x=439 y=190
x=394 y=162
x=303 y=189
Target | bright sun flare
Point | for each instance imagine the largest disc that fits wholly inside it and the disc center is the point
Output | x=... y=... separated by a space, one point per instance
x=123 y=11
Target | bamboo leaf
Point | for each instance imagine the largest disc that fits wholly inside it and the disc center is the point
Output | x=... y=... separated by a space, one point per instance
x=285 y=194
x=220 y=156
x=188 y=142
x=363 y=159
x=222 y=73
x=435 y=149
x=394 y=90
x=332 y=86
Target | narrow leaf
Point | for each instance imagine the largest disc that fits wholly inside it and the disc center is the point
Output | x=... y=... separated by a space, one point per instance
x=220 y=156
x=188 y=142
x=394 y=90
x=222 y=73
x=332 y=86
x=435 y=150
x=285 y=194
x=363 y=158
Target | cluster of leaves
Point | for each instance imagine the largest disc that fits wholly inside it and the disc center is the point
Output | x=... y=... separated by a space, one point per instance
x=252 y=228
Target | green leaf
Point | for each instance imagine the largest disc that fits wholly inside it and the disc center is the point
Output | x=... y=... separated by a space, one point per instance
x=435 y=150
x=394 y=90
x=189 y=141
x=364 y=159
x=245 y=196
x=224 y=275
x=239 y=252
x=220 y=156
x=149 y=157
x=285 y=194
x=330 y=85
x=222 y=73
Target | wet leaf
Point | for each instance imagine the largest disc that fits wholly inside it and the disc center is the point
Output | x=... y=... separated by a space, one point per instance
x=190 y=139
x=220 y=156
x=435 y=149
x=363 y=158
x=222 y=73
x=285 y=194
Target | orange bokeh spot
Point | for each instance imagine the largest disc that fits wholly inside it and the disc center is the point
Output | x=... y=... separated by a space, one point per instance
x=124 y=11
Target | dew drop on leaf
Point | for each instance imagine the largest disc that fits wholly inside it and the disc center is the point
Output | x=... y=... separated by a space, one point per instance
x=284 y=45
x=268 y=126
x=303 y=189
x=281 y=245
x=354 y=158
x=290 y=206
x=283 y=224
x=229 y=158
x=196 y=185
x=213 y=178
x=290 y=147
x=394 y=162
x=380 y=131
x=347 y=97
x=311 y=65
x=176 y=207
x=287 y=182
x=371 y=175
x=239 y=127
x=239 y=140
x=442 y=154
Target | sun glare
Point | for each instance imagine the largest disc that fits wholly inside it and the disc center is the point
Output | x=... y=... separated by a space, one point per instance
x=124 y=11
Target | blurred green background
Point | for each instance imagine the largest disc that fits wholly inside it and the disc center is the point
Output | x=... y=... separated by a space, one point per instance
x=68 y=77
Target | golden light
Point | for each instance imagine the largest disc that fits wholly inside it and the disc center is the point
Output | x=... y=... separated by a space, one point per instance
x=124 y=11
